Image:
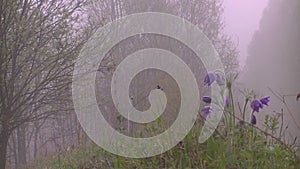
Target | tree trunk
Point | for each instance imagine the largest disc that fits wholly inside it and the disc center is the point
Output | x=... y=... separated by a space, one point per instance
x=113 y=10
x=35 y=142
x=21 y=141
x=4 y=135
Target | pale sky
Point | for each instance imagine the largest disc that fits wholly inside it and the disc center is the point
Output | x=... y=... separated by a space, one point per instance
x=242 y=20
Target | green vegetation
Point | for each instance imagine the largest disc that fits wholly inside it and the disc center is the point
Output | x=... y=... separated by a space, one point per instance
x=237 y=151
x=235 y=145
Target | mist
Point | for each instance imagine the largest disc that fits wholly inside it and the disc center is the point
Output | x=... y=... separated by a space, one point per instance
x=242 y=19
x=149 y=84
x=271 y=66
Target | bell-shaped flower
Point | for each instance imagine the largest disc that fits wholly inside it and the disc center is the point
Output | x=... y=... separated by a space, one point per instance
x=206 y=99
x=265 y=100
x=256 y=105
x=209 y=79
x=205 y=112
x=220 y=79
x=227 y=101
x=253 y=119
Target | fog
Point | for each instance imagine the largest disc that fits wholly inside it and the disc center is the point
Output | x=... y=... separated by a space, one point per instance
x=242 y=20
x=65 y=90
x=268 y=36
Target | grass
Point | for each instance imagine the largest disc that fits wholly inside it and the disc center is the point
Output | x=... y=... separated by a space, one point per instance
x=246 y=152
x=238 y=145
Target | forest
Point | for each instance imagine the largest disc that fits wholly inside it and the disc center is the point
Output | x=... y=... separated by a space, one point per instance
x=136 y=84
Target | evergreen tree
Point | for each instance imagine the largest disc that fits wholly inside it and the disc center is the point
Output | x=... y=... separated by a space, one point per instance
x=274 y=57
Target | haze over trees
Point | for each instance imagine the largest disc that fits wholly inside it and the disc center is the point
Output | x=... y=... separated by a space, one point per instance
x=40 y=41
x=274 y=58
x=37 y=48
x=207 y=15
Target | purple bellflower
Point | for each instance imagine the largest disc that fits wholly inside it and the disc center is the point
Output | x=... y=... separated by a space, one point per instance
x=220 y=79
x=209 y=79
x=227 y=101
x=265 y=100
x=206 y=99
x=253 y=119
x=256 y=105
x=205 y=112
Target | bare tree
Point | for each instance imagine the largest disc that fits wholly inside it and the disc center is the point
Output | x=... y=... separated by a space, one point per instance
x=37 y=48
x=206 y=14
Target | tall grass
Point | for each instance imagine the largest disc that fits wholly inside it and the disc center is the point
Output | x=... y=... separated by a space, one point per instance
x=240 y=144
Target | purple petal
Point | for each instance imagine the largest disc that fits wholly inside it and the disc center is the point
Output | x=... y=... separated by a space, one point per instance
x=206 y=109
x=256 y=105
x=204 y=116
x=265 y=100
x=205 y=112
x=206 y=99
x=220 y=79
x=209 y=79
x=227 y=101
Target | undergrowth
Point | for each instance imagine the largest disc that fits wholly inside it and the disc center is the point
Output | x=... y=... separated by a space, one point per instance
x=240 y=144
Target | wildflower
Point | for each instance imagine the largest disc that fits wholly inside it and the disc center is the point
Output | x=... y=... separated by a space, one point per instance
x=220 y=79
x=265 y=100
x=227 y=101
x=205 y=112
x=256 y=105
x=209 y=79
x=206 y=99
x=253 y=119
